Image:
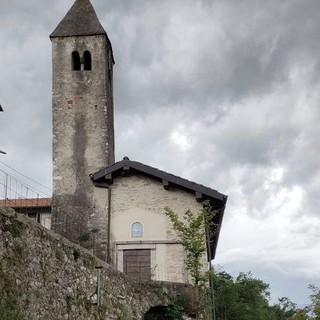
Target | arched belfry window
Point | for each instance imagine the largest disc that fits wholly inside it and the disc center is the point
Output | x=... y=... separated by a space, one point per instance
x=87 y=60
x=136 y=229
x=76 y=64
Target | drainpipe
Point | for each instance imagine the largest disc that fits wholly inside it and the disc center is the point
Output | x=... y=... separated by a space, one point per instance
x=211 y=284
x=109 y=227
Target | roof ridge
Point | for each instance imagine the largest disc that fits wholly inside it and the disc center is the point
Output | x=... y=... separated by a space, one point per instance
x=160 y=174
x=173 y=175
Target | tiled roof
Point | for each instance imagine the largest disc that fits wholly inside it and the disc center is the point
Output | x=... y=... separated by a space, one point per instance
x=81 y=20
x=26 y=203
x=126 y=164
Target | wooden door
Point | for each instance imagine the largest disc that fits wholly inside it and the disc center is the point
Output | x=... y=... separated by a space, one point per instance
x=137 y=263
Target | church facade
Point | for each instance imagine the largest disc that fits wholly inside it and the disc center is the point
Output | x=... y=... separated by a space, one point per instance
x=115 y=209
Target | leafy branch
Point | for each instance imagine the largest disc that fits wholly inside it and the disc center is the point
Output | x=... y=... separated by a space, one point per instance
x=191 y=231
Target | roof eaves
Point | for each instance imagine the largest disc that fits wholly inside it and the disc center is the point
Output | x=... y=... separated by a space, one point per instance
x=160 y=175
x=26 y=203
x=216 y=236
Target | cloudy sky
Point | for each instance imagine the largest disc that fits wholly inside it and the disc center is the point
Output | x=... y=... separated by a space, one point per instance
x=221 y=92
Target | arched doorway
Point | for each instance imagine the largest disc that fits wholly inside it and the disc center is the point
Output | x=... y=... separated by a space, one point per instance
x=156 y=313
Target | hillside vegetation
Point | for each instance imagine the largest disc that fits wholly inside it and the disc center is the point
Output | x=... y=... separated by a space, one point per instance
x=247 y=298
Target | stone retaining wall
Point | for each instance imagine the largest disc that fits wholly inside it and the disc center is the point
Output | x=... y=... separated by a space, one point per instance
x=44 y=276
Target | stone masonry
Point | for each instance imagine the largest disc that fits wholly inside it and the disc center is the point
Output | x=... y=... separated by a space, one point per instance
x=82 y=114
x=43 y=276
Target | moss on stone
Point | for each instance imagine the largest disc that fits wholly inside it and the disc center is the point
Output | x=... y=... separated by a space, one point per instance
x=76 y=254
x=16 y=258
x=89 y=262
x=8 y=312
x=16 y=229
x=86 y=241
x=59 y=254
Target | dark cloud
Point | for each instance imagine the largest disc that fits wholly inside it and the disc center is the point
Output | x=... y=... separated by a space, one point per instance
x=222 y=92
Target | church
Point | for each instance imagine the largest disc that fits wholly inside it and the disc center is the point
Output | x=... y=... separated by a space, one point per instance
x=115 y=209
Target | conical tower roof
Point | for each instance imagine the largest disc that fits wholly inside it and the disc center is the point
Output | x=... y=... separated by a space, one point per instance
x=81 y=20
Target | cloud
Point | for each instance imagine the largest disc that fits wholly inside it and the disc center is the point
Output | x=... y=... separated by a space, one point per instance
x=224 y=92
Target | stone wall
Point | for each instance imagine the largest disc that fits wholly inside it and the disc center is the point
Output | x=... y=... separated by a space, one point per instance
x=44 y=276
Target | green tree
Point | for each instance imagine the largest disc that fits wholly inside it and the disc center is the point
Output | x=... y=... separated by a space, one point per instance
x=191 y=231
x=284 y=309
x=247 y=298
x=253 y=297
x=315 y=302
x=226 y=296
x=300 y=314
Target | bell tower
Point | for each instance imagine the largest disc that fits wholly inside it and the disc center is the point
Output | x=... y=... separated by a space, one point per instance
x=83 y=125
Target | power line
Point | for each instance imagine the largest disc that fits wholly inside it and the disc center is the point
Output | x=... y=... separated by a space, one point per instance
x=40 y=184
x=23 y=184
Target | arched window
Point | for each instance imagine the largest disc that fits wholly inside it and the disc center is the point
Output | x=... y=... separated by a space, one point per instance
x=87 y=60
x=76 y=65
x=136 y=229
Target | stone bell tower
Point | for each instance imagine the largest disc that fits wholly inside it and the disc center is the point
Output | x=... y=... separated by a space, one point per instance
x=83 y=125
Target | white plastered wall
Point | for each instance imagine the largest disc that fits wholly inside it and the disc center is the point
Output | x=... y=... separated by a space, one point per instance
x=136 y=198
x=45 y=219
